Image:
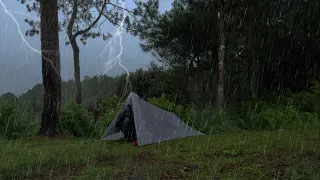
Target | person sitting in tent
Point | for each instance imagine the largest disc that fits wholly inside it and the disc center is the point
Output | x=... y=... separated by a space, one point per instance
x=126 y=123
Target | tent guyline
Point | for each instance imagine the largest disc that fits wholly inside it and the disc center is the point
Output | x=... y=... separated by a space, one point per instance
x=144 y=123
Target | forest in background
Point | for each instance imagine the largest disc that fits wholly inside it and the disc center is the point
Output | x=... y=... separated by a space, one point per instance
x=245 y=73
x=270 y=66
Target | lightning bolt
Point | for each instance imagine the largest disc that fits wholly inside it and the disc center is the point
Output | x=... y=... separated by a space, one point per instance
x=22 y=14
x=111 y=62
x=8 y=12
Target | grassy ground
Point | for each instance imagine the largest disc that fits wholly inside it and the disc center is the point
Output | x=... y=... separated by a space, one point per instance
x=242 y=155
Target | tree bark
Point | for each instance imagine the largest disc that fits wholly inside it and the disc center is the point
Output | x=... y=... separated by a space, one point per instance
x=252 y=78
x=76 y=52
x=252 y=68
x=76 y=63
x=221 y=57
x=50 y=67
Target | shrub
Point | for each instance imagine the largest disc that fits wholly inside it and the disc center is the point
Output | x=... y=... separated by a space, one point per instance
x=109 y=108
x=209 y=120
x=262 y=115
x=273 y=119
x=15 y=124
x=302 y=101
x=77 y=121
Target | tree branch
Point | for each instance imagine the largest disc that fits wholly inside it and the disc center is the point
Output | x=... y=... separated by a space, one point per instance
x=93 y=23
x=113 y=22
x=73 y=18
x=129 y=11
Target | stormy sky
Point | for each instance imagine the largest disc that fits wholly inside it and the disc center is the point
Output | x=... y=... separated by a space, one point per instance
x=20 y=67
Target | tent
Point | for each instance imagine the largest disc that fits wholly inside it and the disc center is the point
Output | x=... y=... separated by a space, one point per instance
x=152 y=124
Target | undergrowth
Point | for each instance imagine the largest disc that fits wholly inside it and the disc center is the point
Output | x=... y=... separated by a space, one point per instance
x=282 y=112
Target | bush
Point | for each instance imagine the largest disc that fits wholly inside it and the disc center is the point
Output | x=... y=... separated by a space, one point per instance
x=213 y=121
x=77 y=121
x=261 y=115
x=274 y=119
x=109 y=108
x=15 y=124
x=302 y=101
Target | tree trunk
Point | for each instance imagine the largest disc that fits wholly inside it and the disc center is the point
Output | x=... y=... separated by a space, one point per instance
x=50 y=67
x=76 y=62
x=252 y=68
x=221 y=56
x=76 y=52
x=252 y=79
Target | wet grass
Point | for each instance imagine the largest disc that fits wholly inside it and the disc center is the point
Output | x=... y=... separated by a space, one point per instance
x=241 y=155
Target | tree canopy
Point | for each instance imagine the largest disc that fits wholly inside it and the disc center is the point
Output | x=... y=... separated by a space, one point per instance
x=271 y=45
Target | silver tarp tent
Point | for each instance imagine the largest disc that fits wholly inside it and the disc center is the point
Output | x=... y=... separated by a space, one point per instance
x=152 y=124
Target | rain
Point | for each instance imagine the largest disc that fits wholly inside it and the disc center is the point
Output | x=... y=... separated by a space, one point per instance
x=159 y=89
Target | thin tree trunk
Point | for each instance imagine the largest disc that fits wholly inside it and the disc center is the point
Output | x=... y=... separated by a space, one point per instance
x=221 y=57
x=50 y=67
x=252 y=80
x=252 y=66
x=76 y=57
x=76 y=52
x=76 y=62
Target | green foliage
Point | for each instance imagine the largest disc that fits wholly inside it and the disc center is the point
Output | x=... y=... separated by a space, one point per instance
x=285 y=111
x=209 y=120
x=183 y=37
x=153 y=82
x=109 y=108
x=92 y=88
x=245 y=155
x=274 y=119
x=77 y=121
x=15 y=124
x=9 y=98
x=302 y=101
x=231 y=153
x=184 y=33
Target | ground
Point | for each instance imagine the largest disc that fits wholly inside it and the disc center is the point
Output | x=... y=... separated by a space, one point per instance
x=237 y=155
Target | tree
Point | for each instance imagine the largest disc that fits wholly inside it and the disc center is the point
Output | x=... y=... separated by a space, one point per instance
x=221 y=54
x=78 y=21
x=279 y=45
x=271 y=45
x=186 y=37
x=50 y=66
x=76 y=52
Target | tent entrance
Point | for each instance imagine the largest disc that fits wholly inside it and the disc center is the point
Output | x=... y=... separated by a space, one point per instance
x=125 y=123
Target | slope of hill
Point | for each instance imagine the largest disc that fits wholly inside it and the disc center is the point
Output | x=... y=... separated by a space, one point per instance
x=92 y=88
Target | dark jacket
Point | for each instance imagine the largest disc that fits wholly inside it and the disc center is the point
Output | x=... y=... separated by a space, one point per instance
x=126 y=123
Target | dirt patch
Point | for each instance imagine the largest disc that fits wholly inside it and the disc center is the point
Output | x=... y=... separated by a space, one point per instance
x=312 y=157
x=58 y=136
x=313 y=139
x=275 y=162
x=105 y=161
x=144 y=158
x=66 y=171
x=227 y=167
